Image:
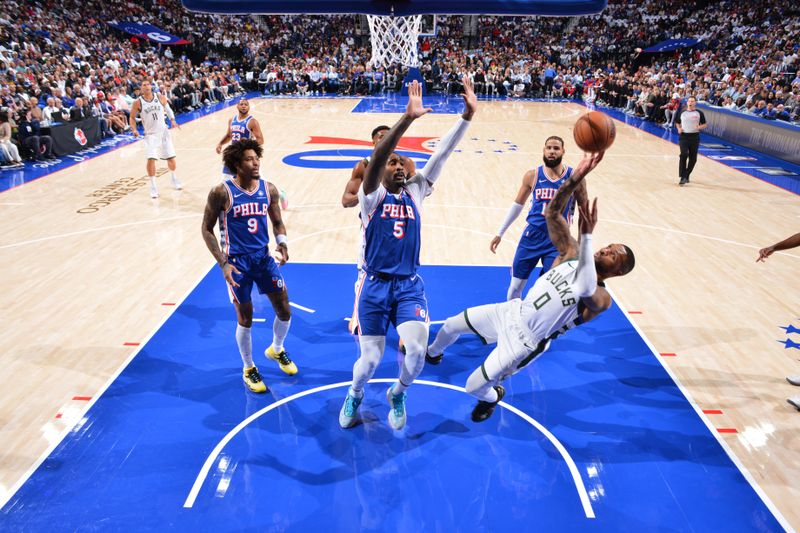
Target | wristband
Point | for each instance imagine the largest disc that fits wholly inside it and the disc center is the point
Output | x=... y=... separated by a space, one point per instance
x=281 y=239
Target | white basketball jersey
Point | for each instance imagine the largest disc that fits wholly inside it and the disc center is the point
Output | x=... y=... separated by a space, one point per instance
x=153 y=115
x=552 y=302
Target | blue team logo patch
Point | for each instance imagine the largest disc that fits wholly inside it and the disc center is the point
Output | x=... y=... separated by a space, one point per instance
x=277 y=282
x=420 y=312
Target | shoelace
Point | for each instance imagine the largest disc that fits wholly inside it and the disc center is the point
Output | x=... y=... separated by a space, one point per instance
x=283 y=358
x=254 y=376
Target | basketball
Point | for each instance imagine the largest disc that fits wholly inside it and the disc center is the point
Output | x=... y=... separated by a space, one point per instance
x=594 y=132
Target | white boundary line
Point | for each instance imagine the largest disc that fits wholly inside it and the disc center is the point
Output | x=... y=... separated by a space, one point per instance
x=302 y=308
x=746 y=473
x=201 y=477
x=4 y=499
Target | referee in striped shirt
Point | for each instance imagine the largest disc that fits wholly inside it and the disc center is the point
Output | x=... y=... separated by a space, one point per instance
x=690 y=123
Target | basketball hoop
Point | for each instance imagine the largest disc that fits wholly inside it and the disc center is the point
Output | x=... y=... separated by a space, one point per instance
x=394 y=40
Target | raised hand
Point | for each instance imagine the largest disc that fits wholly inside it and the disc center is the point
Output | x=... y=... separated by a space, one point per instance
x=588 y=217
x=414 y=109
x=470 y=100
x=588 y=163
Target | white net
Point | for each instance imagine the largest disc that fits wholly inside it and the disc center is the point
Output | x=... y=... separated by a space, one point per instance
x=394 y=40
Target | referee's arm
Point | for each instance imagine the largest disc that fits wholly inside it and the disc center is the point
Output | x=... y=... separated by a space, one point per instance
x=703 y=124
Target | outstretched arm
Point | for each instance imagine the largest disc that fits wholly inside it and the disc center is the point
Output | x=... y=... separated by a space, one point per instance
x=448 y=143
x=384 y=149
x=556 y=224
x=596 y=299
x=791 y=242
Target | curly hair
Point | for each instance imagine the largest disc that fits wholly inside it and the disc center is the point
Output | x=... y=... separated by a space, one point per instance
x=232 y=155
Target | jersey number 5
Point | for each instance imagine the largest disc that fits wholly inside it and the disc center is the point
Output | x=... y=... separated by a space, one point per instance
x=399 y=229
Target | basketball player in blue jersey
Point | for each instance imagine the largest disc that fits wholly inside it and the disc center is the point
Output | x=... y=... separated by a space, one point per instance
x=571 y=293
x=350 y=199
x=244 y=205
x=535 y=245
x=391 y=290
x=241 y=126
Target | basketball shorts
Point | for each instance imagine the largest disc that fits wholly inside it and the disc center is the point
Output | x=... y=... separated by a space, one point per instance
x=533 y=245
x=159 y=145
x=501 y=324
x=384 y=300
x=259 y=268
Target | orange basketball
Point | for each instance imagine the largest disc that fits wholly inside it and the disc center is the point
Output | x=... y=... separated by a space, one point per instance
x=594 y=132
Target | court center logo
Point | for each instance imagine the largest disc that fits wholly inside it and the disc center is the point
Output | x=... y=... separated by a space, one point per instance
x=417 y=148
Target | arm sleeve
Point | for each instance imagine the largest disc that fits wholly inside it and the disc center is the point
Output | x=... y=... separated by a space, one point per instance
x=511 y=216
x=168 y=112
x=586 y=276
x=446 y=145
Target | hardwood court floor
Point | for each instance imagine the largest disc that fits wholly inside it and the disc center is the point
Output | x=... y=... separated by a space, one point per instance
x=85 y=275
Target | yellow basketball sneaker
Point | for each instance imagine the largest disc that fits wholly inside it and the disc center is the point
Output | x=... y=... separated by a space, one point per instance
x=283 y=360
x=253 y=380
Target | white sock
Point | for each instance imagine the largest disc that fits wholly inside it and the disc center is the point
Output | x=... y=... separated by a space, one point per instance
x=245 y=341
x=175 y=181
x=153 y=182
x=279 y=330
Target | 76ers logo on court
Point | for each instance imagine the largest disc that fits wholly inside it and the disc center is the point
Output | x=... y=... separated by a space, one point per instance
x=341 y=158
x=80 y=137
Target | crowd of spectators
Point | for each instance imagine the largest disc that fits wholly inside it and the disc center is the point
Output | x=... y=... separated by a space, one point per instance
x=60 y=61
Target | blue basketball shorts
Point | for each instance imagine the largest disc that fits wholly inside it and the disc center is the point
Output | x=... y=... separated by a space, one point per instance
x=534 y=245
x=384 y=300
x=259 y=268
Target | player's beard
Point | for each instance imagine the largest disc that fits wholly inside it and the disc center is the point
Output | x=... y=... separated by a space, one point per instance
x=552 y=163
